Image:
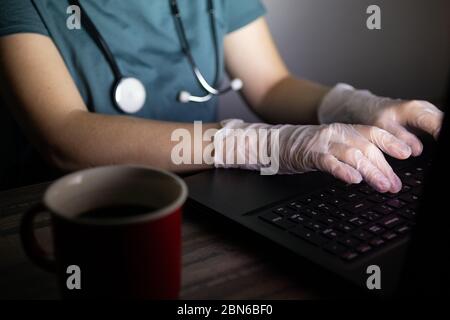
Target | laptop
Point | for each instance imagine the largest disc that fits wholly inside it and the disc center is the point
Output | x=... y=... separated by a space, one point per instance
x=350 y=231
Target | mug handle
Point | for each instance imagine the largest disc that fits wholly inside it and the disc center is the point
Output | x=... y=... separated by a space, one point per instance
x=29 y=242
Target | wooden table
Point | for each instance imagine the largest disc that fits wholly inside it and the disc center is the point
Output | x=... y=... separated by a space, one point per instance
x=220 y=260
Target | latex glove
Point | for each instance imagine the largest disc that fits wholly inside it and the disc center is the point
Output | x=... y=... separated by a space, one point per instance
x=350 y=153
x=344 y=104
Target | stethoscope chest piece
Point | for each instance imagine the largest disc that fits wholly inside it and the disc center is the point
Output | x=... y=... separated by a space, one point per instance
x=129 y=95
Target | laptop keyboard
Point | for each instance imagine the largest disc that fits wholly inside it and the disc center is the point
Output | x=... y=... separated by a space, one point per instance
x=350 y=221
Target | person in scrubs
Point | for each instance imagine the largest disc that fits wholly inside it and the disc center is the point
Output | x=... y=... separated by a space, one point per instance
x=56 y=84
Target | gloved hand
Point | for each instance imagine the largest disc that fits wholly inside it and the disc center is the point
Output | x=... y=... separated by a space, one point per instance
x=344 y=104
x=350 y=153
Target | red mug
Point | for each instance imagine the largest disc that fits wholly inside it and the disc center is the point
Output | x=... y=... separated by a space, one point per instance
x=129 y=255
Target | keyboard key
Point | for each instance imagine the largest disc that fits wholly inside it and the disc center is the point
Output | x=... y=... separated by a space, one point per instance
x=375 y=229
x=327 y=220
x=278 y=221
x=312 y=213
x=295 y=205
x=391 y=221
x=357 y=221
x=323 y=207
x=403 y=229
x=417 y=191
x=352 y=196
x=363 y=248
x=376 y=242
x=336 y=202
x=306 y=200
x=349 y=256
x=284 y=224
x=409 y=197
x=358 y=206
x=378 y=198
x=344 y=227
x=366 y=190
x=320 y=196
x=405 y=174
x=349 y=242
x=340 y=214
x=335 y=248
x=405 y=188
x=350 y=188
x=308 y=235
x=412 y=182
x=298 y=218
x=391 y=195
x=396 y=203
x=383 y=209
x=312 y=225
x=281 y=211
x=333 y=191
x=362 y=235
x=331 y=233
x=270 y=217
x=370 y=215
x=408 y=213
x=390 y=235
x=328 y=210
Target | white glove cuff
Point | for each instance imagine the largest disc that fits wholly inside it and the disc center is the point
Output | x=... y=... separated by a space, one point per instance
x=345 y=104
x=236 y=146
x=220 y=147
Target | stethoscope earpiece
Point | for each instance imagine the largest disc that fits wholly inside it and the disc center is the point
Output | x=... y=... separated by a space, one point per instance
x=237 y=84
x=186 y=97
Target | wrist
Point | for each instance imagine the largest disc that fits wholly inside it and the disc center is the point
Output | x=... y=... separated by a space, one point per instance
x=345 y=104
x=247 y=146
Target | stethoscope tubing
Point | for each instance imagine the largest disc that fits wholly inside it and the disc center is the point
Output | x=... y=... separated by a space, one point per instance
x=100 y=41
x=119 y=77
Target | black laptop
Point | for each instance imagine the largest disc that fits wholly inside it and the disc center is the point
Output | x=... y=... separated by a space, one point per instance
x=349 y=230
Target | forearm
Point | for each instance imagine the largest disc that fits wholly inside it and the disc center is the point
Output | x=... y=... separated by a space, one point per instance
x=293 y=101
x=87 y=140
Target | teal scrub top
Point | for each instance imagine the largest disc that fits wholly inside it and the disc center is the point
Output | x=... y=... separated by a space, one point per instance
x=143 y=39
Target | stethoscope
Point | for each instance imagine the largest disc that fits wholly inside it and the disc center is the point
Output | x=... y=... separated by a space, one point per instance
x=129 y=93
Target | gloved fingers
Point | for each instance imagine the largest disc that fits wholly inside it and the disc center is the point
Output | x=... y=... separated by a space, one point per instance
x=425 y=116
x=410 y=139
x=374 y=154
x=368 y=170
x=385 y=141
x=329 y=163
